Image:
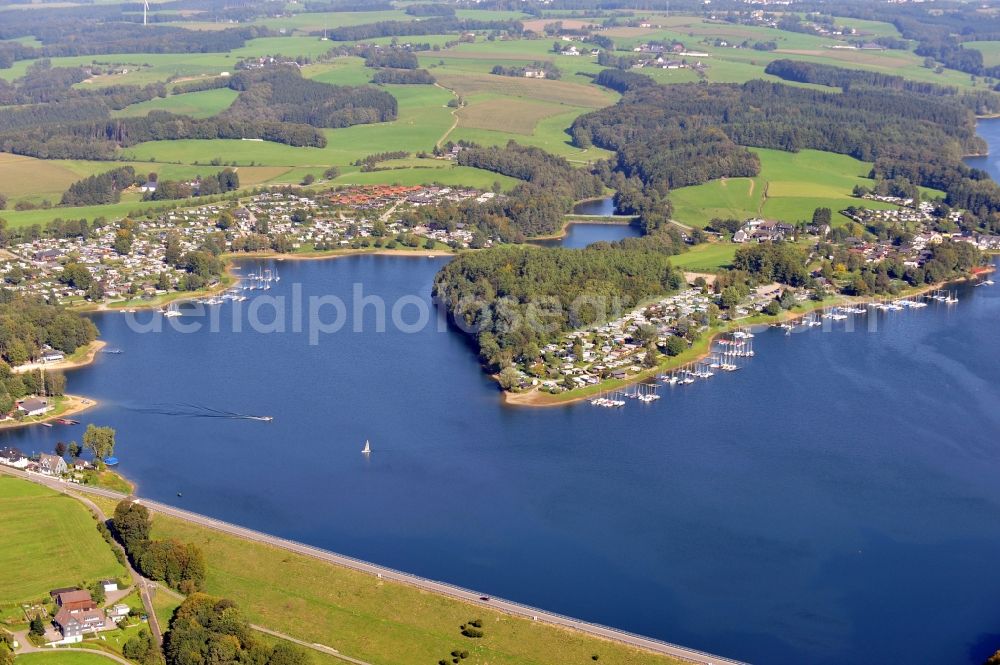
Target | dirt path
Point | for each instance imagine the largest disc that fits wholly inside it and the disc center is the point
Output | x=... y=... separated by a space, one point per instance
x=763 y=200
x=454 y=116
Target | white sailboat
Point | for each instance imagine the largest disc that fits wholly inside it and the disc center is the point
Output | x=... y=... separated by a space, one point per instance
x=367 y=450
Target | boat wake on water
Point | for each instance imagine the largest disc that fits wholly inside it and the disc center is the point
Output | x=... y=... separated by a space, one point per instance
x=186 y=410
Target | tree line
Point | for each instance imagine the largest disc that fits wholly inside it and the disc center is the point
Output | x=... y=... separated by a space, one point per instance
x=429 y=26
x=551 y=185
x=27 y=323
x=180 y=565
x=276 y=104
x=207 y=629
x=99 y=189
x=685 y=134
x=403 y=77
x=495 y=295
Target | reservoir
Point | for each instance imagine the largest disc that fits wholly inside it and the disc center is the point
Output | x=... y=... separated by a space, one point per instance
x=581 y=234
x=989 y=129
x=835 y=501
x=604 y=207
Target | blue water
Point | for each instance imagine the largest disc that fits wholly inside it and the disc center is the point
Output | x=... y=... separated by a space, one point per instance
x=836 y=501
x=581 y=235
x=605 y=206
x=989 y=129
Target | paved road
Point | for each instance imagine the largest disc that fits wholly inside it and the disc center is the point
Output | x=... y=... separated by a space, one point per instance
x=508 y=606
x=25 y=646
x=138 y=581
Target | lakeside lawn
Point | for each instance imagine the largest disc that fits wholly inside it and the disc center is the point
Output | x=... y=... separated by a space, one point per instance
x=49 y=541
x=376 y=620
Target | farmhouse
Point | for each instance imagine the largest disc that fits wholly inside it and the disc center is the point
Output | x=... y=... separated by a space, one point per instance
x=52 y=465
x=73 y=624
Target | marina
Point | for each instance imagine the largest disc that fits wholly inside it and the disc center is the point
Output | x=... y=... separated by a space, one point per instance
x=695 y=486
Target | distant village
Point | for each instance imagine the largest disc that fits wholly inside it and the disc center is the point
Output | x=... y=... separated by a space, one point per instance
x=354 y=217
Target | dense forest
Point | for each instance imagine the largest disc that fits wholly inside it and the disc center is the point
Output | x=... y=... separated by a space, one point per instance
x=670 y=136
x=982 y=102
x=275 y=104
x=281 y=94
x=403 y=77
x=101 y=188
x=515 y=300
x=27 y=323
x=551 y=185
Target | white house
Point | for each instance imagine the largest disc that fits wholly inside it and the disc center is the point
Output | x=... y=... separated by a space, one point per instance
x=52 y=465
x=34 y=406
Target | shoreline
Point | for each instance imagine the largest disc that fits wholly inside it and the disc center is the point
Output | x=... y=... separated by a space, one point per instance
x=564 y=229
x=230 y=276
x=474 y=599
x=535 y=398
x=74 y=404
x=87 y=359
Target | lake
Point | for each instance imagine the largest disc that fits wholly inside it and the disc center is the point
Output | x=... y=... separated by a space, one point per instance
x=580 y=234
x=989 y=129
x=604 y=207
x=833 y=502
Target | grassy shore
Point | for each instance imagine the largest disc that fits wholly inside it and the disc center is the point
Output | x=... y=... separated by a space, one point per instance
x=49 y=541
x=376 y=620
x=65 y=405
x=372 y=619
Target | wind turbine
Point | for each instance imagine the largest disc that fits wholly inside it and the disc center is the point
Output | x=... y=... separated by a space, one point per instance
x=145 y=8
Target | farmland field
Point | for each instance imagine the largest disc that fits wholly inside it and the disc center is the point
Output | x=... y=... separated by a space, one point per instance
x=706 y=257
x=790 y=186
x=202 y=104
x=57 y=534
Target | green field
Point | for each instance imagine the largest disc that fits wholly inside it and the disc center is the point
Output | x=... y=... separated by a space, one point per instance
x=990 y=51
x=49 y=541
x=706 y=257
x=62 y=657
x=423 y=119
x=203 y=104
x=375 y=620
x=790 y=187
